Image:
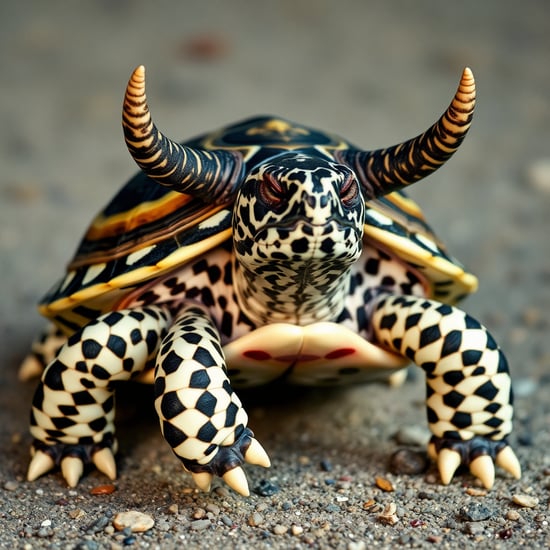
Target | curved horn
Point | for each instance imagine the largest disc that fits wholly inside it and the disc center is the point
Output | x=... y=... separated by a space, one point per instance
x=385 y=170
x=208 y=175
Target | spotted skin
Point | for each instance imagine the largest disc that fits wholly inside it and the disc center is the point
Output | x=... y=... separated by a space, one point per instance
x=291 y=254
x=468 y=387
x=198 y=410
x=74 y=404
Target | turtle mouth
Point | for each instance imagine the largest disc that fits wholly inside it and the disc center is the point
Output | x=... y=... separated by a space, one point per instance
x=332 y=226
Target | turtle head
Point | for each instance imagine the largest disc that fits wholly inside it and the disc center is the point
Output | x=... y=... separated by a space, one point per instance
x=299 y=208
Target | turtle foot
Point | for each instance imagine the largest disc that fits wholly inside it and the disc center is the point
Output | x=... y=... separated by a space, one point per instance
x=227 y=464
x=478 y=453
x=72 y=459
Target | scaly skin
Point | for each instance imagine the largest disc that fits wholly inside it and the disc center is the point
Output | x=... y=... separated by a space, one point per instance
x=468 y=387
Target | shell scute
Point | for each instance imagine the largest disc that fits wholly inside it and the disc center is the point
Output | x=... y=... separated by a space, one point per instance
x=147 y=230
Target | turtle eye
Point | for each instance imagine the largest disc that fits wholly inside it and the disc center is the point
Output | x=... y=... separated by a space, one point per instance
x=349 y=192
x=271 y=191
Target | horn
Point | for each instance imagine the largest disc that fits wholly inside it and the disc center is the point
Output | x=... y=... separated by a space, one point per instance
x=208 y=175
x=385 y=170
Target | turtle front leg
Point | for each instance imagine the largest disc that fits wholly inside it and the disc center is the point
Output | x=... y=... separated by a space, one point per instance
x=200 y=415
x=72 y=417
x=469 y=395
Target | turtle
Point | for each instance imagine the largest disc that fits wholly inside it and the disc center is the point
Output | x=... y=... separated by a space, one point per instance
x=263 y=251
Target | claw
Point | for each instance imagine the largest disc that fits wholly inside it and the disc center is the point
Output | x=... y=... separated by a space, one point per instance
x=447 y=462
x=236 y=479
x=508 y=461
x=72 y=468
x=483 y=468
x=41 y=463
x=30 y=368
x=202 y=480
x=255 y=454
x=105 y=462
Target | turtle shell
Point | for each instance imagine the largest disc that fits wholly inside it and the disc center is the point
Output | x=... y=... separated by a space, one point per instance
x=148 y=230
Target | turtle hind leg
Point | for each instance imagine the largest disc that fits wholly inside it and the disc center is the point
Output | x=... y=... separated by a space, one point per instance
x=468 y=386
x=72 y=416
x=43 y=351
x=200 y=415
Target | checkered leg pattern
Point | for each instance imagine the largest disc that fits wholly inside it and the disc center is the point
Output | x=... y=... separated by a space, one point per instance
x=73 y=407
x=200 y=415
x=469 y=395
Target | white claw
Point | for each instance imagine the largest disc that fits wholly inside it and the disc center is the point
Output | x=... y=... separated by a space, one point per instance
x=202 y=480
x=483 y=468
x=105 y=462
x=447 y=462
x=256 y=454
x=41 y=463
x=236 y=479
x=72 y=468
x=508 y=461
x=30 y=368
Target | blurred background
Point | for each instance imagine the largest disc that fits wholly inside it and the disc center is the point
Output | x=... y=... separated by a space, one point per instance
x=375 y=72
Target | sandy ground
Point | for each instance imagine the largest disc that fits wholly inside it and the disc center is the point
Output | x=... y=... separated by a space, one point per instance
x=375 y=72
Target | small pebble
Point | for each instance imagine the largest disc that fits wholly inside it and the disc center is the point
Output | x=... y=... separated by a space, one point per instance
x=226 y=520
x=255 y=519
x=98 y=525
x=408 y=462
x=173 y=509
x=280 y=529
x=213 y=508
x=359 y=545
x=369 y=504
x=326 y=465
x=103 y=489
x=11 y=485
x=389 y=515
x=527 y=501
x=137 y=522
x=513 y=515
x=266 y=489
x=416 y=523
x=473 y=528
x=200 y=524
x=296 y=530
x=77 y=514
x=505 y=534
x=384 y=484
x=199 y=513
x=476 y=512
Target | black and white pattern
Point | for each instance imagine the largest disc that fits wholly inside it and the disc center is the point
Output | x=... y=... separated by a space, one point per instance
x=323 y=277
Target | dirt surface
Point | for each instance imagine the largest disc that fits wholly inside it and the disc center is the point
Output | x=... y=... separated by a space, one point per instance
x=375 y=72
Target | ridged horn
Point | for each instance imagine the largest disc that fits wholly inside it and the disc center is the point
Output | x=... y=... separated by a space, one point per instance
x=385 y=170
x=209 y=175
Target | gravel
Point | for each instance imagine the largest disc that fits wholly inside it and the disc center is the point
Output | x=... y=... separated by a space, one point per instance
x=374 y=72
